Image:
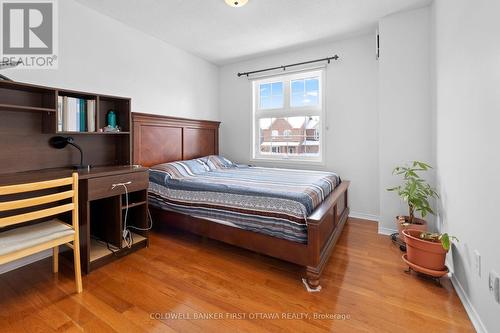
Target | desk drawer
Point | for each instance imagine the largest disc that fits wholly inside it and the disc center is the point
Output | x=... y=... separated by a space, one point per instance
x=102 y=187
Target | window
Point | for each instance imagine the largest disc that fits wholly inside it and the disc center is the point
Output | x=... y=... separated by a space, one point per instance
x=288 y=114
x=305 y=92
x=271 y=95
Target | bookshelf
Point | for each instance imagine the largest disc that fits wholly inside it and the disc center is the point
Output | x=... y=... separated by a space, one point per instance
x=102 y=105
x=21 y=97
x=29 y=116
x=28 y=98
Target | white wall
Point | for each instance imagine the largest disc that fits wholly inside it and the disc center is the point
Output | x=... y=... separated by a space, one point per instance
x=405 y=103
x=99 y=54
x=351 y=141
x=468 y=158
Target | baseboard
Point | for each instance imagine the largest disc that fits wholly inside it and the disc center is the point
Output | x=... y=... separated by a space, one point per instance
x=386 y=231
x=374 y=218
x=364 y=216
x=469 y=308
x=25 y=261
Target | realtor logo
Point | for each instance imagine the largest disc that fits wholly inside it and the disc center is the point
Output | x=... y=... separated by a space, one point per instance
x=29 y=32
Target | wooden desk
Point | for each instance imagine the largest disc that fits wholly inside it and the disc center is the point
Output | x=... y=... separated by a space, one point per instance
x=102 y=209
x=30 y=115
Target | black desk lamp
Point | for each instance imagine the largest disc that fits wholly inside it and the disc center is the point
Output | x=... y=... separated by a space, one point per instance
x=60 y=142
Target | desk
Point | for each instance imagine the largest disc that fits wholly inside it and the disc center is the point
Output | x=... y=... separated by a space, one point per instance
x=102 y=209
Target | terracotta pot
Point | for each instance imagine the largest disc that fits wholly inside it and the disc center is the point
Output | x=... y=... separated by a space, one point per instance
x=425 y=253
x=418 y=224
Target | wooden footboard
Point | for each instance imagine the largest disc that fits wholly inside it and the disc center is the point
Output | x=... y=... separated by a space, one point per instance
x=324 y=227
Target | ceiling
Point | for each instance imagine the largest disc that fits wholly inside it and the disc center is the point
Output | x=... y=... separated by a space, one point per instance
x=222 y=34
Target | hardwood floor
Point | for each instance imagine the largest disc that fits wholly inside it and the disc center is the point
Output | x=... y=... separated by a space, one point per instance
x=184 y=275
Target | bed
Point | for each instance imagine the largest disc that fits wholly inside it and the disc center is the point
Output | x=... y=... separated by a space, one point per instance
x=293 y=215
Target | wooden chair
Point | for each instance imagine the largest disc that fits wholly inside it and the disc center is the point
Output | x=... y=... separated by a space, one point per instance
x=22 y=241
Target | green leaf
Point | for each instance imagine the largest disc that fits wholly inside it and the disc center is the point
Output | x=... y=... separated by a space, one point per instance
x=414 y=190
x=445 y=241
x=423 y=165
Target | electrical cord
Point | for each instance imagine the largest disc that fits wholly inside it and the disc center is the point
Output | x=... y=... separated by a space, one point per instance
x=127 y=234
x=144 y=229
x=113 y=249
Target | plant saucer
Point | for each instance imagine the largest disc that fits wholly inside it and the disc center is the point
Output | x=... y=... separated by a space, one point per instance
x=424 y=270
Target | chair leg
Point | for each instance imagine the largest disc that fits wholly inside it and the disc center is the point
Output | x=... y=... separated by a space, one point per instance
x=55 y=259
x=78 y=269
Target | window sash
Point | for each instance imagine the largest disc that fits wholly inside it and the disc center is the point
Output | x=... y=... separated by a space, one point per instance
x=288 y=111
x=287 y=83
x=279 y=154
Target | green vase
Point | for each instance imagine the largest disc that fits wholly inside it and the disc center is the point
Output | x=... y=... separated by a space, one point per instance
x=112 y=118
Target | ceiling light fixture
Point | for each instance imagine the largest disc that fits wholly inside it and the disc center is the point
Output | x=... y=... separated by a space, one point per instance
x=236 y=3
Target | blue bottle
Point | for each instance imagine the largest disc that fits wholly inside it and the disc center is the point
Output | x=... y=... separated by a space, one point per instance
x=111 y=118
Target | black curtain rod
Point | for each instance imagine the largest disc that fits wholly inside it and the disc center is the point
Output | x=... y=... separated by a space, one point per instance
x=284 y=67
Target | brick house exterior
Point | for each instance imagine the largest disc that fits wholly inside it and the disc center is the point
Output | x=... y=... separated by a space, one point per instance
x=282 y=137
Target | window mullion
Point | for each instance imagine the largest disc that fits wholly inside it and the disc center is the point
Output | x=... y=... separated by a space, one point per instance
x=286 y=85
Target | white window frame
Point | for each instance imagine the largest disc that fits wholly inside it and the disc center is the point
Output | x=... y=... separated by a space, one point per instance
x=288 y=111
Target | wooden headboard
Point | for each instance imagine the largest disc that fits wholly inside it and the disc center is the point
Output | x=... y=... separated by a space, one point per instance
x=161 y=139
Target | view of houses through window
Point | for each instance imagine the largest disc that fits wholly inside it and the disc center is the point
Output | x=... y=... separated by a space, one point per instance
x=287 y=114
x=291 y=135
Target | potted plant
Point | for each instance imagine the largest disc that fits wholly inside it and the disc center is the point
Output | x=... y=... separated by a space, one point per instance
x=427 y=250
x=416 y=192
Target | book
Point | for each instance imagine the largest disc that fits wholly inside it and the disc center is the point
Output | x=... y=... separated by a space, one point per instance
x=77 y=111
x=73 y=116
x=76 y=114
x=60 y=120
x=65 y=114
x=83 y=116
x=91 y=116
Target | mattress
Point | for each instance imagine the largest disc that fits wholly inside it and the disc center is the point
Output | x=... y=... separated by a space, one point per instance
x=271 y=201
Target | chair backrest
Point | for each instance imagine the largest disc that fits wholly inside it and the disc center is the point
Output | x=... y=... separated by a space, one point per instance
x=39 y=200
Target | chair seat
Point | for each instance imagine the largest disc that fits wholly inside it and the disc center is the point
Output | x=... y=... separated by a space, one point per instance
x=29 y=236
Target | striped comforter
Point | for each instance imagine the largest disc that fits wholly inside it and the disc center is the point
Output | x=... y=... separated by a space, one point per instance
x=272 y=201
